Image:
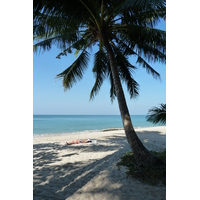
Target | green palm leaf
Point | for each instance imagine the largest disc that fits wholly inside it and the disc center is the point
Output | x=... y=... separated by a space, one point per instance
x=154 y=8
x=148 y=68
x=127 y=51
x=125 y=72
x=101 y=66
x=147 y=42
x=75 y=72
x=157 y=114
x=78 y=25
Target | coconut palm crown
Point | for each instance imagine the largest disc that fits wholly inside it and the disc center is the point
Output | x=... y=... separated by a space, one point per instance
x=120 y=29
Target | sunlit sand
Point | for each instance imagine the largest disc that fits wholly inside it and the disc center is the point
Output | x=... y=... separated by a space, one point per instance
x=89 y=171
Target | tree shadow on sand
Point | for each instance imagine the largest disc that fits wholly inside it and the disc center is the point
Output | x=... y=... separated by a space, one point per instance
x=53 y=181
x=62 y=181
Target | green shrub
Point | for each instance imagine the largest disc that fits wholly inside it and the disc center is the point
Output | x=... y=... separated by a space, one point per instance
x=148 y=174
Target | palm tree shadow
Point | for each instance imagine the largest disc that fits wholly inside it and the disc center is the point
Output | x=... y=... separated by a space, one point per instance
x=62 y=181
x=153 y=140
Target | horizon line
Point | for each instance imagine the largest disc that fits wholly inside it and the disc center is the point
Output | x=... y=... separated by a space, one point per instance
x=88 y=114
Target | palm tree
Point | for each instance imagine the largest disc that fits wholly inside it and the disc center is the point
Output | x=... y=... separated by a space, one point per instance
x=157 y=114
x=120 y=28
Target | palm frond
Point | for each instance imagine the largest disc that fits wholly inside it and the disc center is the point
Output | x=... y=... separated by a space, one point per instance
x=127 y=51
x=148 y=42
x=144 y=6
x=46 y=44
x=101 y=65
x=101 y=71
x=112 y=88
x=72 y=11
x=148 y=68
x=78 y=45
x=125 y=72
x=47 y=36
x=157 y=114
x=79 y=24
x=85 y=41
x=141 y=3
x=74 y=72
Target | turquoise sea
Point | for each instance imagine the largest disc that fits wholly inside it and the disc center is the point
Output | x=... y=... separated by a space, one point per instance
x=52 y=124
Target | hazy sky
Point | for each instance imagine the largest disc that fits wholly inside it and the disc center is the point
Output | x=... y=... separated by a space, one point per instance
x=49 y=96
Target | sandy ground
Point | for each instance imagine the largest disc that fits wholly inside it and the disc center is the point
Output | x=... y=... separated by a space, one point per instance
x=89 y=171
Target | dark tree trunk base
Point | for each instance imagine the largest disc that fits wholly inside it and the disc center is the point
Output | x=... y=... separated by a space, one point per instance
x=141 y=154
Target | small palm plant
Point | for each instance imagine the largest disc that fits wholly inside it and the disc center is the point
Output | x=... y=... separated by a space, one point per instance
x=157 y=115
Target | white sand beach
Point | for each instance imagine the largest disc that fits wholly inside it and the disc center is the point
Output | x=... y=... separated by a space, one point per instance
x=89 y=171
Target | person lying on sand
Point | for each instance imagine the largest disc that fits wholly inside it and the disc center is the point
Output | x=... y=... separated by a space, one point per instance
x=78 y=141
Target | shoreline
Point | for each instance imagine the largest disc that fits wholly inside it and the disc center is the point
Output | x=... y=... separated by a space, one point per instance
x=91 y=131
x=89 y=171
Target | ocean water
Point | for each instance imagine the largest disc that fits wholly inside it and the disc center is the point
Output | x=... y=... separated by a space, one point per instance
x=52 y=124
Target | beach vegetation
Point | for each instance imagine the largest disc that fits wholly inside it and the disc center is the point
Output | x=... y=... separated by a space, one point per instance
x=119 y=29
x=157 y=115
x=150 y=174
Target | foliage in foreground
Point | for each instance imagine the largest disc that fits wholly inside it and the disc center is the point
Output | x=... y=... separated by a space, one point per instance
x=153 y=175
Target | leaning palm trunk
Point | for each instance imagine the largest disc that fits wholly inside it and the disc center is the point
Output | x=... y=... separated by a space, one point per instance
x=142 y=155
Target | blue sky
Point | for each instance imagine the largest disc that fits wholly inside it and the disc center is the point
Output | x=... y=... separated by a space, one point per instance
x=49 y=96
